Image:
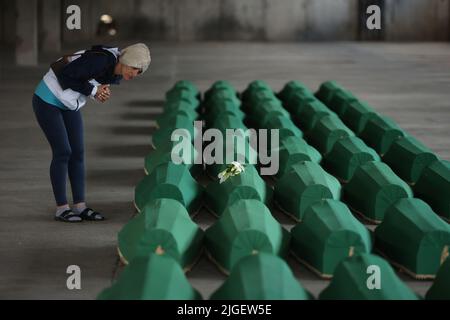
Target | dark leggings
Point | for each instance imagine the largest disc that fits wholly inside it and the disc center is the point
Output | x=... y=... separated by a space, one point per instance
x=64 y=132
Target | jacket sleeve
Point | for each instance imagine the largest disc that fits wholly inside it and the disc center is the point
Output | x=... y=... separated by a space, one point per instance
x=76 y=74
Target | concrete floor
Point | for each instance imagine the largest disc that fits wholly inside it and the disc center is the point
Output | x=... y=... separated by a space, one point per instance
x=409 y=82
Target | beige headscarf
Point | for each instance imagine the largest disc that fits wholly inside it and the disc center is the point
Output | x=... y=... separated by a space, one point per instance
x=136 y=56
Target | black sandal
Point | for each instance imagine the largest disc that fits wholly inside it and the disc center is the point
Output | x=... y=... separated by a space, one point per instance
x=91 y=215
x=69 y=216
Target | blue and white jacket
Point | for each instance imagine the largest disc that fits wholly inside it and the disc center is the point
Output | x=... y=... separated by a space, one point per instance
x=69 y=91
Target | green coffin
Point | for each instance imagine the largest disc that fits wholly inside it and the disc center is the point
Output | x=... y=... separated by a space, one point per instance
x=220 y=85
x=298 y=101
x=248 y=157
x=261 y=119
x=163 y=227
x=164 y=155
x=414 y=238
x=373 y=188
x=246 y=227
x=264 y=110
x=303 y=185
x=247 y=185
x=285 y=126
x=162 y=136
x=172 y=181
x=261 y=277
x=180 y=104
x=223 y=107
x=346 y=156
x=440 y=290
x=151 y=277
x=328 y=234
x=327 y=90
x=262 y=103
x=357 y=114
x=409 y=158
x=219 y=95
x=291 y=88
x=311 y=114
x=433 y=186
x=380 y=132
x=327 y=132
x=253 y=88
x=355 y=279
x=170 y=118
x=182 y=95
x=340 y=101
x=184 y=85
x=228 y=121
x=293 y=150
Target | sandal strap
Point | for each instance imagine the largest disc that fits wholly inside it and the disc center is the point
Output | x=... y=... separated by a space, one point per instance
x=89 y=213
x=68 y=214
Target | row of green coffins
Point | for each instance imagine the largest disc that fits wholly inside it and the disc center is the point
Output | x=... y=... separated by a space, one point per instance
x=373 y=190
x=381 y=133
x=385 y=187
x=303 y=187
x=409 y=158
x=306 y=188
x=222 y=107
x=159 y=277
x=160 y=249
x=412 y=237
x=162 y=242
x=222 y=112
x=265 y=110
x=342 y=151
x=267 y=277
x=181 y=109
x=267 y=113
x=243 y=197
x=246 y=237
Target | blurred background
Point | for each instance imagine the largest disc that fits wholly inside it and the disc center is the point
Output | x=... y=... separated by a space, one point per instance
x=40 y=26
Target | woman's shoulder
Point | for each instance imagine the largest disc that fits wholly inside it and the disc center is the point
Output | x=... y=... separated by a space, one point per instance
x=106 y=50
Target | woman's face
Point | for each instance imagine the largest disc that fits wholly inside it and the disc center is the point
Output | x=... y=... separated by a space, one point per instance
x=128 y=72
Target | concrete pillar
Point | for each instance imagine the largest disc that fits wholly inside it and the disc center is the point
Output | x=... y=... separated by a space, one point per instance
x=8 y=12
x=2 y=37
x=26 y=32
x=51 y=26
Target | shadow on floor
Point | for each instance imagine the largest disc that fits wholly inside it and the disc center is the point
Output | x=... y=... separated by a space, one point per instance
x=146 y=103
x=129 y=151
x=139 y=116
x=115 y=177
x=136 y=130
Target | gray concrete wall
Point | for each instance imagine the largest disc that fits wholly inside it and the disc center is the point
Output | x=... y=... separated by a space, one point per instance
x=259 y=20
x=417 y=20
x=193 y=20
